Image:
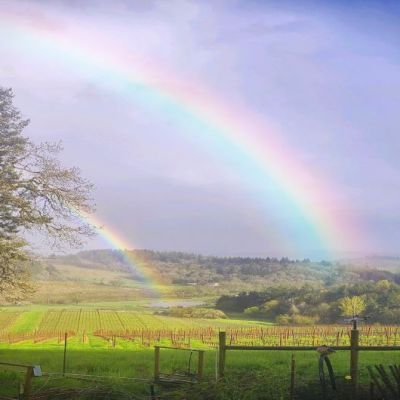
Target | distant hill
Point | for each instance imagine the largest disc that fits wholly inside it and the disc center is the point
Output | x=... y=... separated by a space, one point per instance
x=186 y=268
x=105 y=275
x=386 y=263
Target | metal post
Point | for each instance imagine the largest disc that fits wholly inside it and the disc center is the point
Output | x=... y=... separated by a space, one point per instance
x=222 y=352
x=156 y=363
x=354 y=342
x=65 y=352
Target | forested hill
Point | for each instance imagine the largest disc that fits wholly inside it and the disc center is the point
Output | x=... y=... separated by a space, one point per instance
x=378 y=301
x=186 y=268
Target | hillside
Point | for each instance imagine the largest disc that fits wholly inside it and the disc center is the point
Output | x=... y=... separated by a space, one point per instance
x=107 y=275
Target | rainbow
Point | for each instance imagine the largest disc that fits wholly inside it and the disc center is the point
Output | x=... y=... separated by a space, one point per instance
x=151 y=283
x=232 y=130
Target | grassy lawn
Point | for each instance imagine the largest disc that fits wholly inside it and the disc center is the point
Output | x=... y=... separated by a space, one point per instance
x=27 y=321
x=249 y=373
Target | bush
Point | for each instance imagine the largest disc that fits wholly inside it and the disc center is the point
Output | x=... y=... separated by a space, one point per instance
x=193 y=312
x=283 y=319
x=251 y=310
x=270 y=305
x=304 y=320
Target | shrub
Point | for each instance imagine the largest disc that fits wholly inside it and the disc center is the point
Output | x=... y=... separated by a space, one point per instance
x=193 y=312
x=304 y=320
x=283 y=319
x=251 y=310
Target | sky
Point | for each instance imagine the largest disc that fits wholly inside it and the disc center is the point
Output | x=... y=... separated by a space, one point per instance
x=320 y=78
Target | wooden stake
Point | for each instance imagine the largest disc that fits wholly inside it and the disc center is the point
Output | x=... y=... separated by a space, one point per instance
x=292 y=377
x=222 y=353
x=28 y=383
x=354 y=341
x=200 y=366
x=156 y=363
x=65 y=352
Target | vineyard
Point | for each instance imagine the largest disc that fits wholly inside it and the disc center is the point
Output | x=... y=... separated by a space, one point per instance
x=147 y=329
x=7 y=319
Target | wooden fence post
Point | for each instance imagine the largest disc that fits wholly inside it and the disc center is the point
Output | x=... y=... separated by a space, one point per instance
x=354 y=342
x=65 y=352
x=222 y=353
x=200 y=365
x=156 y=363
x=292 y=377
x=28 y=383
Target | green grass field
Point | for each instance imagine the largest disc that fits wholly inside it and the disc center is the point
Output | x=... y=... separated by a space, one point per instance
x=250 y=374
x=267 y=372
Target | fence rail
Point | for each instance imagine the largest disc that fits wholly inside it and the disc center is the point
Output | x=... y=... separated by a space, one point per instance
x=305 y=348
x=354 y=349
x=158 y=377
x=31 y=372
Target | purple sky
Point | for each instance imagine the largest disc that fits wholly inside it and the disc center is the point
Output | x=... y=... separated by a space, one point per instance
x=327 y=73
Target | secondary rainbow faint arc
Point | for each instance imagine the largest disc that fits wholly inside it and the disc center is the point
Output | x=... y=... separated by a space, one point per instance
x=199 y=105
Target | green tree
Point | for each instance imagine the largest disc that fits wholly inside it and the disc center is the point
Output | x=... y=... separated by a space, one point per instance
x=252 y=310
x=269 y=307
x=36 y=194
x=283 y=319
x=352 y=306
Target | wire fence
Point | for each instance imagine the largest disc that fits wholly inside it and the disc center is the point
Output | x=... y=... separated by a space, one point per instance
x=248 y=373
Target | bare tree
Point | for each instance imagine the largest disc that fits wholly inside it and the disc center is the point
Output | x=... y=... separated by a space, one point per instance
x=36 y=194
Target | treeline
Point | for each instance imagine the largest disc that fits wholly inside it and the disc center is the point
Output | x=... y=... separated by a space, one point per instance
x=379 y=301
x=187 y=268
x=200 y=275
